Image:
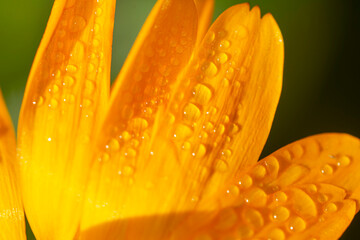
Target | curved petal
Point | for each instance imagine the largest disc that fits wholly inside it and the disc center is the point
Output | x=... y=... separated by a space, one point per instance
x=12 y=220
x=65 y=97
x=162 y=170
x=302 y=191
x=162 y=50
x=205 y=11
x=224 y=105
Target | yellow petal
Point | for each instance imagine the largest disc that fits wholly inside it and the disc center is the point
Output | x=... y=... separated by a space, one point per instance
x=152 y=172
x=314 y=201
x=65 y=98
x=225 y=103
x=12 y=219
x=161 y=51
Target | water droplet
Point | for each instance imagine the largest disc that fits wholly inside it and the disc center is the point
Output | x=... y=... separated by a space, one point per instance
x=138 y=124
x=259 y=171
x=322 y=198
x=245 y=181
x=191 y=112
x=224 y=44
x=221 y=166
x=276 y=234
x=104 y=157
x=311 y=188
x=96 y=28
x=280 y=214
x=211 y=111
x=71 y=68
x=330 y=208
x=125 y=135
x=199 y=151
x=232 y=191
x=229 y=73
x=201 y=94
x=327 y=170
x=280 y=197
x=186 y=146
x=68 y=81
x=182 y=132
x=77 y=24
x=220 y=129
x=39 y=101
x=255 y=197
x=222 y=58
x=296 y=224
x=53 y=103
x=98 y=11
x=209 y=69
x=343 y=161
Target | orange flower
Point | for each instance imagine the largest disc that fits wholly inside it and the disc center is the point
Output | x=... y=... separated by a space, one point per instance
x=172 y=152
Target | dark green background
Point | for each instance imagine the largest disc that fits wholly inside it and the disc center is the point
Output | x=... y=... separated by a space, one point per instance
x=321 y=78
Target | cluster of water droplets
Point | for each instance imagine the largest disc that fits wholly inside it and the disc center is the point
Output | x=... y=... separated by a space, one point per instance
x=147 y=87
x=69 y=88
x=259 y=199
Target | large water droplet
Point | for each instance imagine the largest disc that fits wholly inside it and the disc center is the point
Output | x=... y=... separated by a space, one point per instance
x=191 y=112
x=201 y=94
x=222 y=58
x=209 y=69
x=343 y=161
x=182 y=132
x=245 y=181
x=296 y=224
x=280 y=214
x=327 y=170
x=255 y=197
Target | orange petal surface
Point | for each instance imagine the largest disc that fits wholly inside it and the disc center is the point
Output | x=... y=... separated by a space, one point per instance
x=12 y=220
x=162 y=50
x=205 y=11
x=223 y=108
x=153 y=169
x=302 y=191
x=65 y=98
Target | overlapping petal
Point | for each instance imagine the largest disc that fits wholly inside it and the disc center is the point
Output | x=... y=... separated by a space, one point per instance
x=302 y=191
x=12 y=220
x=65 y=99
x=173 y=154
x=157 y=163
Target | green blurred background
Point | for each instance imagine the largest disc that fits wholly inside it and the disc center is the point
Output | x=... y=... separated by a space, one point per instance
x=321 y=89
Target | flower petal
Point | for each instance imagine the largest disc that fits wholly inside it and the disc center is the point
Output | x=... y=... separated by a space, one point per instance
x=12 y=219
x=140 y=170
x=65 y=98
x=302 y=191
x=162 y=50
x=224 y=105
x=205 y=11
